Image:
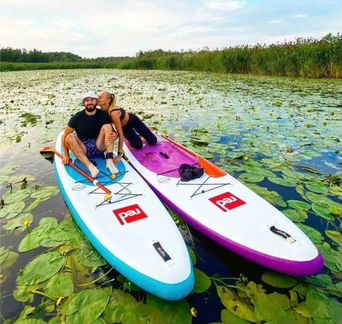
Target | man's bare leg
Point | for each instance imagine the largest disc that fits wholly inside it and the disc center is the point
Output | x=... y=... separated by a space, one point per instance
x=77 y=147
x=105 y=142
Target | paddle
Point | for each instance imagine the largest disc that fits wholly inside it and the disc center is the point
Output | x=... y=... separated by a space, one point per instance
x=74 y=166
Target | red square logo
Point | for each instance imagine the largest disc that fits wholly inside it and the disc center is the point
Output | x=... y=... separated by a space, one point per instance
x=227 y=201
x=129 y=214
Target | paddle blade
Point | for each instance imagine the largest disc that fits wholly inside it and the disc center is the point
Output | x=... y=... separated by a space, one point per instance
x=210 y=168
x=47 y=153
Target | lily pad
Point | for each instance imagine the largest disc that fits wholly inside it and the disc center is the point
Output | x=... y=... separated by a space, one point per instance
x=202 y=283
x=296 y=215
x=298 y=204
x=250 y=177
x=38 y=234
x=228 y=317
x=41 y=268
x=45 y=192
x=7 y=258
x=60 y=285
x=236 y=306
x=312 y=233
x=332 y=258
x=317 y=188
x=278 y=280
x=12 y=210
x=289 y=182
x=334 y=236
x=322 y=211
x=16 y=196
x=19 y=223
x=86 y=305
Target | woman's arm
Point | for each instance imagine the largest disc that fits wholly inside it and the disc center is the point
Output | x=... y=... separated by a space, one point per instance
x=115 y=117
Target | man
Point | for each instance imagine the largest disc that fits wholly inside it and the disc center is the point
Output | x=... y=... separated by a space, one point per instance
x=89 y=133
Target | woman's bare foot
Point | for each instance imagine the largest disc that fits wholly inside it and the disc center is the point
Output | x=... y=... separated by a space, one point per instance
x=111 y=167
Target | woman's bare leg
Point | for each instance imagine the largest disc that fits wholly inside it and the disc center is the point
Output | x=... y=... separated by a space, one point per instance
x=105 y=142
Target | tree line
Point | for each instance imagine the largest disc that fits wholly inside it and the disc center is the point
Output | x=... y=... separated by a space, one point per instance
x=309 y=57
x=9 y=54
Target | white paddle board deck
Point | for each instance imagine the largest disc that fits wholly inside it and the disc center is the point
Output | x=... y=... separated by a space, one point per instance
x=132 y=230
x=225 y=210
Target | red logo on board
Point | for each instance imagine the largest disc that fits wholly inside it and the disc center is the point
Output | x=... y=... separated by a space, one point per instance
x=129 y=214
x=227 y=201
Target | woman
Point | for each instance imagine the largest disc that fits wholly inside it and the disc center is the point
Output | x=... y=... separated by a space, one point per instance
x=126 y=124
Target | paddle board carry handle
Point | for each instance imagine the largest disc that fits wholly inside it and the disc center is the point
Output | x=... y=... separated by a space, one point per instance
x=283 y=234
x=74 y=166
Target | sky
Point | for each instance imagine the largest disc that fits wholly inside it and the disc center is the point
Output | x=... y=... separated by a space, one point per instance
x=105 y=28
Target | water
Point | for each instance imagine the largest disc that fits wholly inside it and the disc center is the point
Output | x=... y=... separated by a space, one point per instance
x=243 y=122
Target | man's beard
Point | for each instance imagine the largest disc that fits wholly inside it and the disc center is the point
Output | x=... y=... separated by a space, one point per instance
x=90 y=107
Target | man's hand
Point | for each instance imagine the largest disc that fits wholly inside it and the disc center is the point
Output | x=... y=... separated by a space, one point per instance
x=66 y=160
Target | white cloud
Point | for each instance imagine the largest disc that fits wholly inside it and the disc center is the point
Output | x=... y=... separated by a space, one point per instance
x=225 y=5
x=300 y=16
x=275 y=21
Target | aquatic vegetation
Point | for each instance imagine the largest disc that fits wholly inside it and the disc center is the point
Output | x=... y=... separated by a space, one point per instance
x=281 y=137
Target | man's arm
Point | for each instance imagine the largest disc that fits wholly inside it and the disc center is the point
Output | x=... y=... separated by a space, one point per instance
x=68 y=130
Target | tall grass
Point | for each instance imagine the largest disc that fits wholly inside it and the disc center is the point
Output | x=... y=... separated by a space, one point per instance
x=302 y=58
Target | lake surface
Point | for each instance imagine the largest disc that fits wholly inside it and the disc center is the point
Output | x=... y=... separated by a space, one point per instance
x=279 y=136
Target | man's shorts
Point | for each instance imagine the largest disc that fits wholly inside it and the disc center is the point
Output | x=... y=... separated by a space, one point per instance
x=92 y=150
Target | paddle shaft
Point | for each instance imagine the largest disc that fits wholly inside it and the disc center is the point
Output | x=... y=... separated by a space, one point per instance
x=74 y=166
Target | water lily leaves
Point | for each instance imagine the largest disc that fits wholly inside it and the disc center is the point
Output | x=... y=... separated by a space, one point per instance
x=332 y=258
x=296 y=215
x=15 y=196
x=7 y=258
x=169 y=312
x=12 y=210
x=322 y=307
x=317 y=188
x=228 y=317
x=45 y=192
x=202 y=283
x=60 y=285
x=288 y=182
x=298 y=204
x=334 y=236
x=280 y=303
x=322 y=211
x=30 y=321
x=19 y=223
x=315 y=236
x=236 y=306
x=5 y=172
x=87 y=305
x=271 y=196
x=278 y=280
x=120 y=306
x=24 y=293
x=88 y=257
x=38 y=234
x=41 y=268
x=250 y=177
